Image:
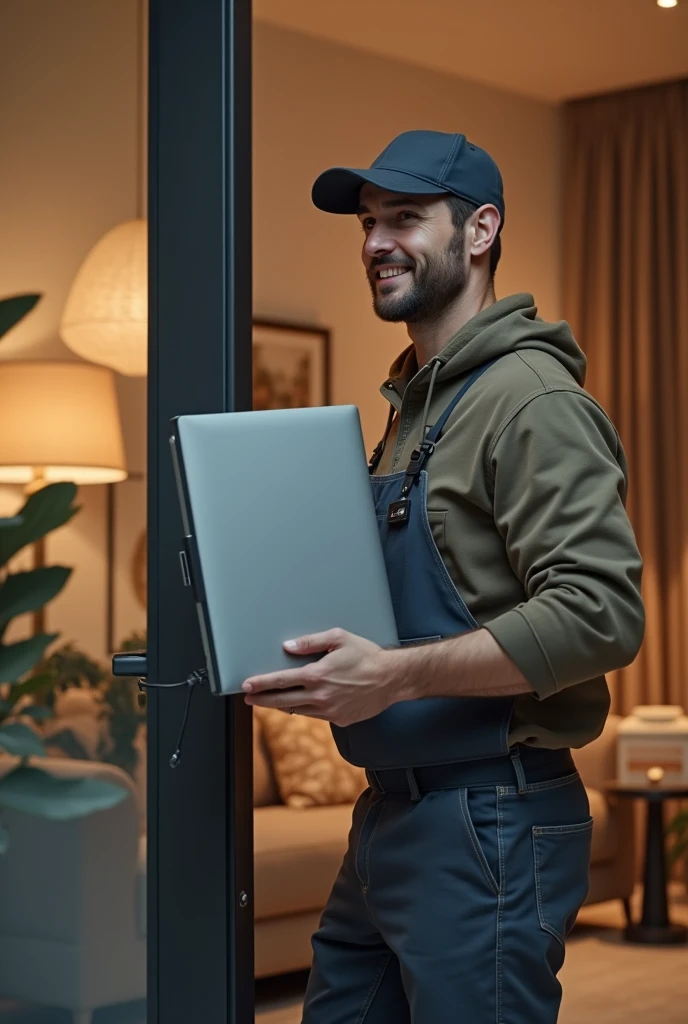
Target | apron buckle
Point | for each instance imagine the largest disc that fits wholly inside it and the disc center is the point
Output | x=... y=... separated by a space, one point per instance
x=398 y=512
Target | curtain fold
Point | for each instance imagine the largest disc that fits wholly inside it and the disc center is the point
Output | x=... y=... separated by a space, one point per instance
x=625 y=294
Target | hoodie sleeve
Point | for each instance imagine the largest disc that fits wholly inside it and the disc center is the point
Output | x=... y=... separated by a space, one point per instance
x=559 y=477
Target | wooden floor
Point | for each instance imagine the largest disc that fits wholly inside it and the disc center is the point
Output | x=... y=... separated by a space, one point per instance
x=606 y=981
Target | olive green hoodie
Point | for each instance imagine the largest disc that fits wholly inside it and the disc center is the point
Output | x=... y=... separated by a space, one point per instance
x=526 y=501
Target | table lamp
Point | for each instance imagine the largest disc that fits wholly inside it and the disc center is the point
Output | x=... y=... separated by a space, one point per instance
x=58 y=421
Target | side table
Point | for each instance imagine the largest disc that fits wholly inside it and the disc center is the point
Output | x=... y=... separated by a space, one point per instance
x=654 y=927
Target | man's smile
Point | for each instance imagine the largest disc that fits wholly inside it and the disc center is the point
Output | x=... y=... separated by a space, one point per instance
x=385 y=272
x=388 y=273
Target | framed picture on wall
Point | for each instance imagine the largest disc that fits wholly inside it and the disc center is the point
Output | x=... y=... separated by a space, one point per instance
x=291 y=365
x=291 y=369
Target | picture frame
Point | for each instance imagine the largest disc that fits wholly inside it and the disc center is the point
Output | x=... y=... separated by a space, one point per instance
x=291 y=368
x=291 y=365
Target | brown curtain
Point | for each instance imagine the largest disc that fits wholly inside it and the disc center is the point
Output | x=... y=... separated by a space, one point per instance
x=626 y=297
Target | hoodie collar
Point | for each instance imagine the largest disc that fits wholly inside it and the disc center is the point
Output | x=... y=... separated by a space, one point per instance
x=507 y=325
x=405 y=366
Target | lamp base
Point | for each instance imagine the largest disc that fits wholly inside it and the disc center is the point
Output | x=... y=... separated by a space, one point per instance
x=38 y=616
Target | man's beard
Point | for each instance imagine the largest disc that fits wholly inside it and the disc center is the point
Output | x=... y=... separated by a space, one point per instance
x=437 y=285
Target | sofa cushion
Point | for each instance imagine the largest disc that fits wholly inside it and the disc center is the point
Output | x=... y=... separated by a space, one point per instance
x=297 y=856
x=308 y=767
x=604 y=831
x=264 y=785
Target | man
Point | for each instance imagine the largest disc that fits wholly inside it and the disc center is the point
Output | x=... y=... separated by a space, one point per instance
x=500 y=488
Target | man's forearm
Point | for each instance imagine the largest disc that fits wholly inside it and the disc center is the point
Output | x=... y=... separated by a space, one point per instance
x=471 y=665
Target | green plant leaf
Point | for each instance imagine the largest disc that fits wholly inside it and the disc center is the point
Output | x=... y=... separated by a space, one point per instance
x=20 y=740
x=14 y=309
x=37 y=712
x=34 y=791
x=4 y=840
x=10 y=521
x=66 y=741
x=44 y=511
x=71 y=667
x=18 y=659
x=677 y=852
x=678 y=824
x=29 y=687
x=23 y=592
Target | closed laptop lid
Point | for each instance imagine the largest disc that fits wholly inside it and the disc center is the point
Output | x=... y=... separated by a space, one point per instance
x=282 y=534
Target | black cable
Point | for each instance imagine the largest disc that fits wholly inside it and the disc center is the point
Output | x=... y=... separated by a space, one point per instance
x=196 y=678
x=177 y=756
x=162 y=686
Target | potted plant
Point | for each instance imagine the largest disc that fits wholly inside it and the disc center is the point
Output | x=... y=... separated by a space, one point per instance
x=115 y=703
x=24 y=785
x=678 y=851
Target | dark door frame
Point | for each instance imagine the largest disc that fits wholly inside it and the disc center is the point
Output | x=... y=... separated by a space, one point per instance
x=200 y=815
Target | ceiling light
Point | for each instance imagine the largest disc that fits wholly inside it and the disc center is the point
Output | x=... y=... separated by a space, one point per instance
x=667 y=3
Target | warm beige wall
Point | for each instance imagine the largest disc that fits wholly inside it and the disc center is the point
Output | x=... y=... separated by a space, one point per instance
x=68 y=121
x=318 y=104
x=68 y=172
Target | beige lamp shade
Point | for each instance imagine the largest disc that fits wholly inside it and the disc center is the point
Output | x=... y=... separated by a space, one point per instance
x=105 y=319
x=59 y=421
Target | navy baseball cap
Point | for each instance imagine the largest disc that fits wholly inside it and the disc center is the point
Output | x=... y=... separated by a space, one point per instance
x=418 y=162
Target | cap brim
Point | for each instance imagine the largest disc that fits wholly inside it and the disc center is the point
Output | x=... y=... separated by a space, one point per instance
x=337 y=190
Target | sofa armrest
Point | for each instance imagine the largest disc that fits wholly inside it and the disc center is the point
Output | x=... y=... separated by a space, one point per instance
x=596 y=762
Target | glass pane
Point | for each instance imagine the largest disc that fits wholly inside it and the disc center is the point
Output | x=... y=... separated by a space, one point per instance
x=72 y=823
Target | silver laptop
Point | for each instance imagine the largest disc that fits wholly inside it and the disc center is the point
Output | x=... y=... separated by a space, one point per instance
x=281 y=535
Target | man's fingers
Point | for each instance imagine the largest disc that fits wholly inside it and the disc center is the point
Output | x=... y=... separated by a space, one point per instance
x=306 y=675
x=277 y=680
x=315 y=643
x=296 y=699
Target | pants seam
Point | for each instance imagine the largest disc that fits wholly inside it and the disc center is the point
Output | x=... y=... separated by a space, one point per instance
x=370 y=843
x=538 y=893
x=500 y=909
x=480 y=856
x=368 y=1001
x=361 y=840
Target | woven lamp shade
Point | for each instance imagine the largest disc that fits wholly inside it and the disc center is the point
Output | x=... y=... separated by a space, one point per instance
x=105 y=319
x=59 y=421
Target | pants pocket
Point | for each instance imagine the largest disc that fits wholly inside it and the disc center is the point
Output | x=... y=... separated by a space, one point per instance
x=561 y=855
x=365 y=835
x=479 y=813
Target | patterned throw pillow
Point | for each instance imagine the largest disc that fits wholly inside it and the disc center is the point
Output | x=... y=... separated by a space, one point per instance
x=309 y=769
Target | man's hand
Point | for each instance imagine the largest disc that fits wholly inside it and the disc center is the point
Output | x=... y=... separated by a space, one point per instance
x=357 y=679
x=346 y=686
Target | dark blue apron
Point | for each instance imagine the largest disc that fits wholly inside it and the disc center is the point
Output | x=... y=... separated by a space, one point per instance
x=428 y=607
x=460 y=882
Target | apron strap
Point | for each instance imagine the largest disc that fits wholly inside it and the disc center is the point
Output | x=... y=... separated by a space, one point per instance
x=421 y=454
x=380 y=447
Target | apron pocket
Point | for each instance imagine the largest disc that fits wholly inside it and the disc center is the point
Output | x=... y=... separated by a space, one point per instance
x=562 y=865
x=438 y=522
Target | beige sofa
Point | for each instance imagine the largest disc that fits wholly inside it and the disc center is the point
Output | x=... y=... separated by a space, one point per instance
x=73 y=894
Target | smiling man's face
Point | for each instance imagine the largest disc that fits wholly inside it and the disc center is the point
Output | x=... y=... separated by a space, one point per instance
x=413 y=255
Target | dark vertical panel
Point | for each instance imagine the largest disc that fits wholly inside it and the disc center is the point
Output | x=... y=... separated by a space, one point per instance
x=200 y=857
